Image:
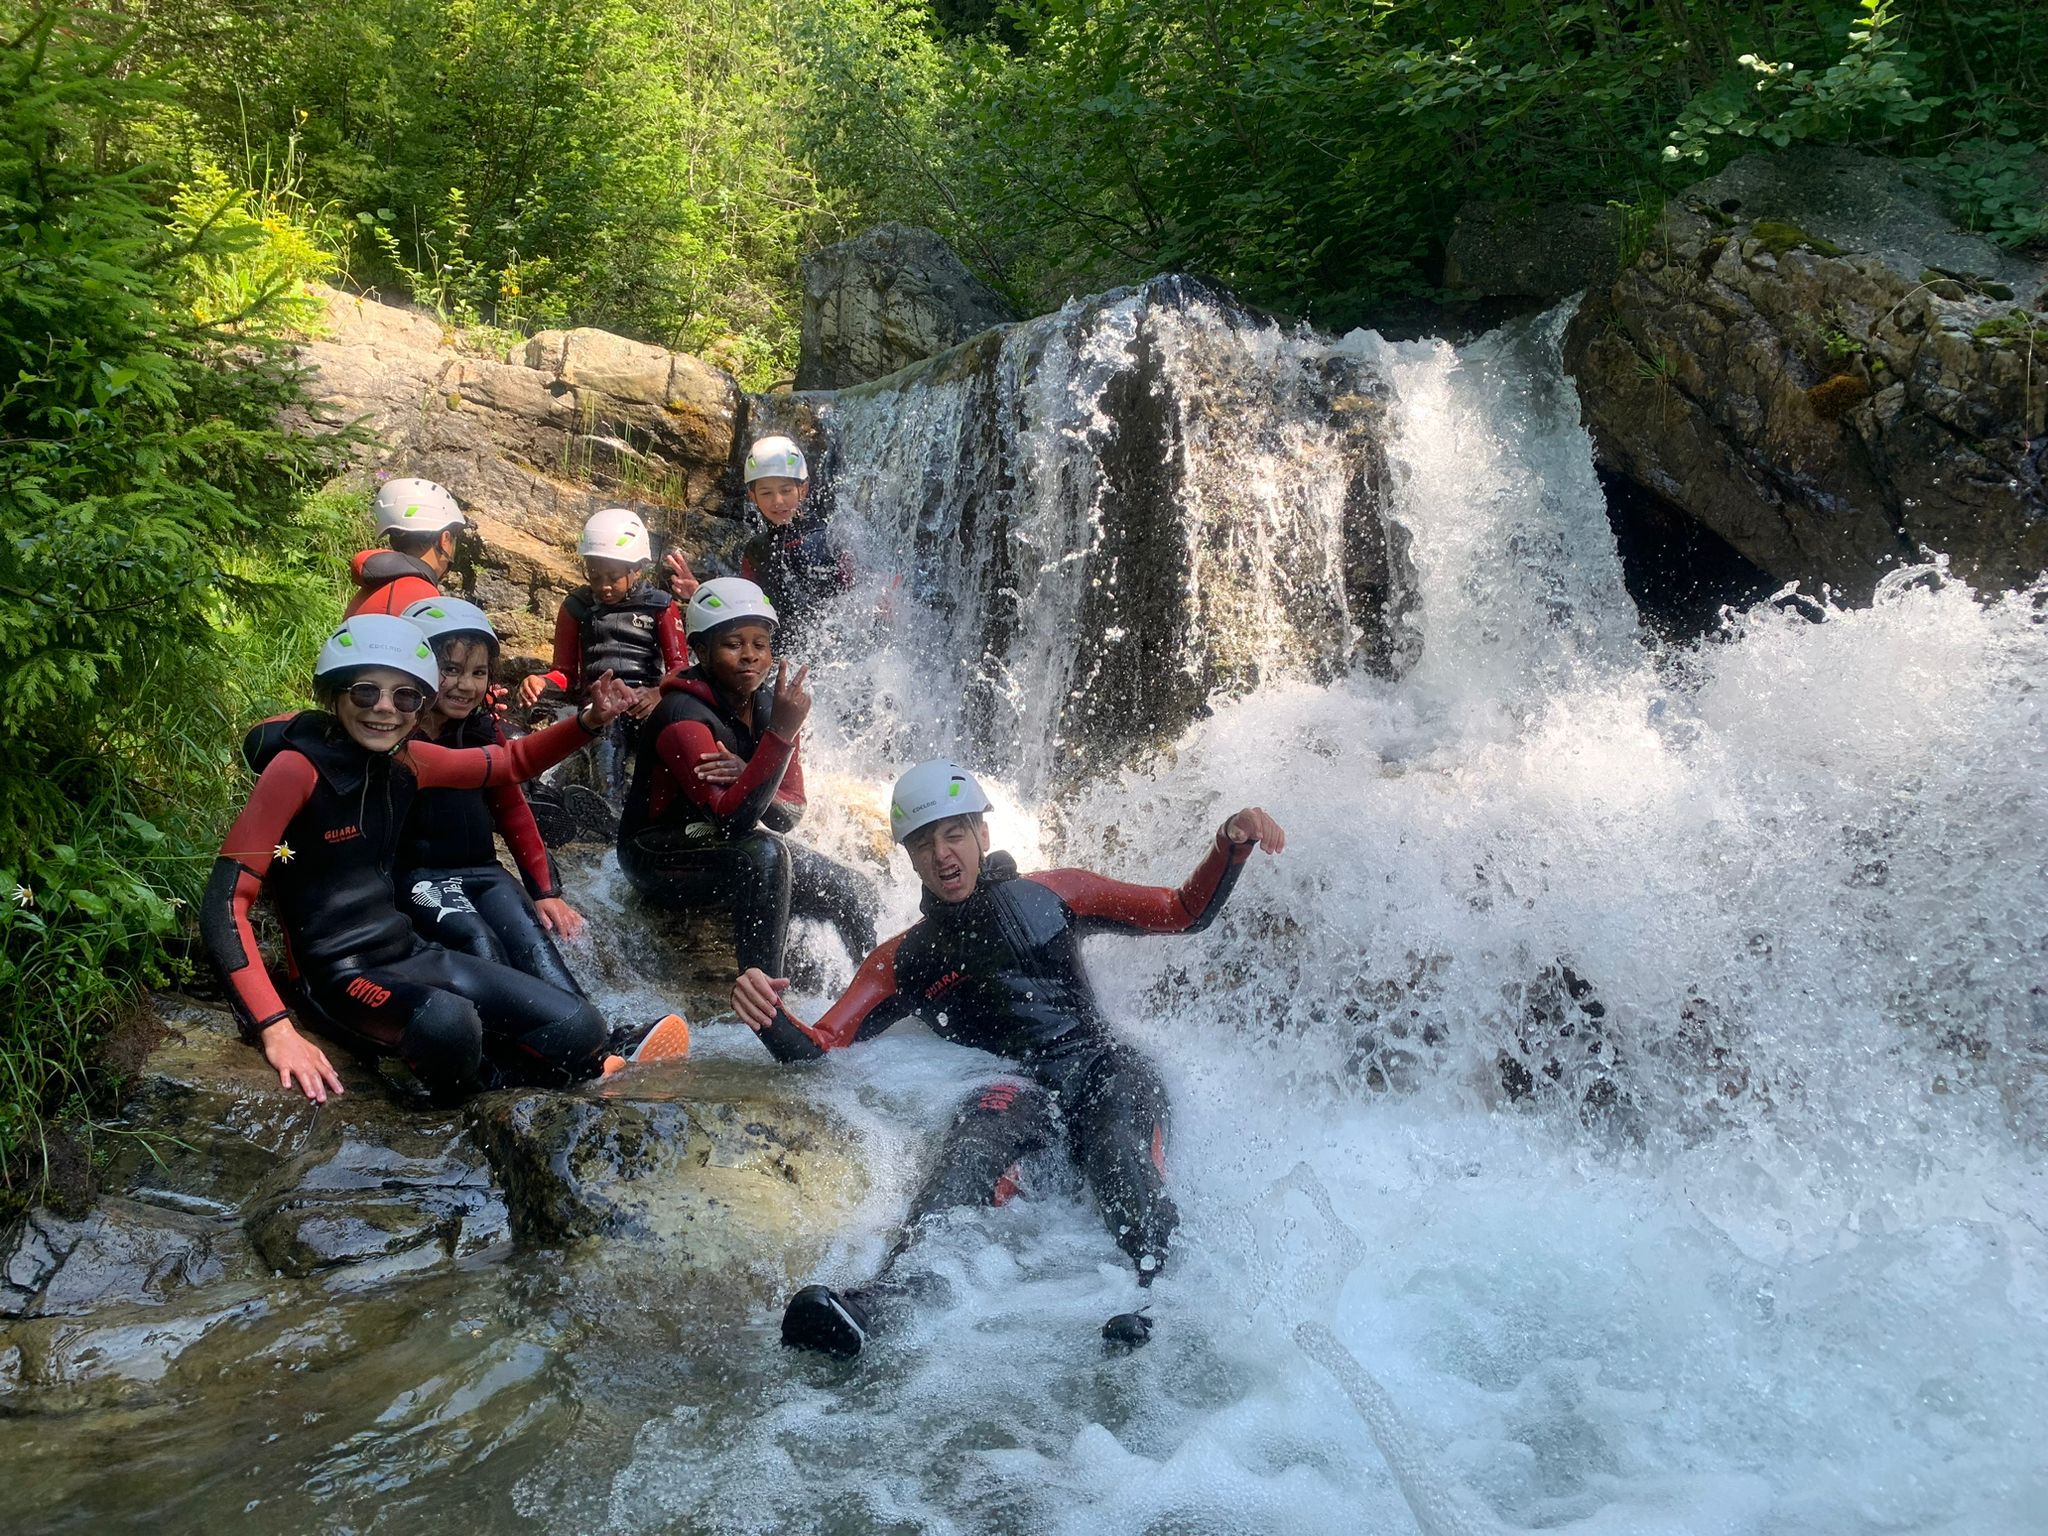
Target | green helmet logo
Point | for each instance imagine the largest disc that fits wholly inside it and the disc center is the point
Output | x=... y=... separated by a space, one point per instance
x=344 y=639
x=423 y=653
x=413 y=510
x=953 y=790
x=623 y=540
x=437 y=613
x=712 y=602
x=896 y=811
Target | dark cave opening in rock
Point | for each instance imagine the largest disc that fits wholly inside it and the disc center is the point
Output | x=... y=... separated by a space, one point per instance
x=1679 y=573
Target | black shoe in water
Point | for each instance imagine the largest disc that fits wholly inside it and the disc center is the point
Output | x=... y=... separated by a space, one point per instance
x=1125 y=1332
x=819 y=1318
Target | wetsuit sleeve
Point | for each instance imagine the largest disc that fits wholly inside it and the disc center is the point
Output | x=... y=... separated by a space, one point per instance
x=513 y=818
x=669 y=633
x=868 y=1007
x=1103 y=904
x=568 y=649
x=486 y=767
x=737 y=807
x=256 y=838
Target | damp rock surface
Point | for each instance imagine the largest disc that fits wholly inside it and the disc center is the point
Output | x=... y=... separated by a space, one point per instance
x=891 y=296
x=1814 y=363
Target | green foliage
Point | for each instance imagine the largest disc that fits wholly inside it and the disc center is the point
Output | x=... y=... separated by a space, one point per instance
x=1313 y=153
x=1995 y=187
x=1867 y=94
x=155 y=537
x=529 y=162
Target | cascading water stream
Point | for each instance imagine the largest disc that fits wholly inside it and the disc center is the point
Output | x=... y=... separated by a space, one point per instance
x=1636 y=1061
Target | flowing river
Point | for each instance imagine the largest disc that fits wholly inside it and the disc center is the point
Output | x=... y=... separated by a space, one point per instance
x=1621 y=1109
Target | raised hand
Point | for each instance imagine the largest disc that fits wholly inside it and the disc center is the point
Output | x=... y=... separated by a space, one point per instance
x=645 y=702
x=792 y=701
x=681 y=579
x=609 y=699
x=1252 y=825
x=755 y=997
x=299 y=1062
x=531 y=687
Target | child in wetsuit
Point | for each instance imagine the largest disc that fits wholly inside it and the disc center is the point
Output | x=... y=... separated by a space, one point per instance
x=619 y=622
x=420 y=523
x=449 y=878
x=319 y=834
x=794 y=558
x=719 y=781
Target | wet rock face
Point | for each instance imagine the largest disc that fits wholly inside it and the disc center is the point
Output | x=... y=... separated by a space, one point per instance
x=1812 y=362
x=243 y=1227
x=734 y=1167
x=892 y=296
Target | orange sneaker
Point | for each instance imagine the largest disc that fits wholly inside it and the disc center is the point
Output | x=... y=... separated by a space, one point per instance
x=668 y=1040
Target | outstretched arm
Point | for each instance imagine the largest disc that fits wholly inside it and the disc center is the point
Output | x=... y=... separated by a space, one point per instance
x=868 y=1007
x=486 y=767
x=1104 y=904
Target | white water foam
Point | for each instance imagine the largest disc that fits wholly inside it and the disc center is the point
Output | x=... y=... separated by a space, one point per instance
x=1771 y=1261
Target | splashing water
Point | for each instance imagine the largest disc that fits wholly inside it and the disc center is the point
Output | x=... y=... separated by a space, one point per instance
x=1634 y=1066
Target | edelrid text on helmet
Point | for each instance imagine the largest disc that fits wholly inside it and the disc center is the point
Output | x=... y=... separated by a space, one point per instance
x=776 y=457
x=416 y=506
x=378 y=640
x=616 y=533
x=724 y=601
x=440 y=617
x=930 y=792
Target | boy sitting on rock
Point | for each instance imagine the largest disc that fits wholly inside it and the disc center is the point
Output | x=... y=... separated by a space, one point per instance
x=618 y=622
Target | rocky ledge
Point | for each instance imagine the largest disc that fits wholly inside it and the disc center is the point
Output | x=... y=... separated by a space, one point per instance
x=241 y=1225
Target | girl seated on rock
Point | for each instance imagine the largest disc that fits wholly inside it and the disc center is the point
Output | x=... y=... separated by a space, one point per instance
x=719 y=780
x=320 y=833
x=449 y=879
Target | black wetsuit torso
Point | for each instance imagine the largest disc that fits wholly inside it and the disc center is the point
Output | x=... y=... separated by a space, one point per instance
x=333 y=890
x=800 y=567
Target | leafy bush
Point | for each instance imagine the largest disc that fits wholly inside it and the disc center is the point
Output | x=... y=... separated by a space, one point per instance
x=1313 y=153
x=156 y=542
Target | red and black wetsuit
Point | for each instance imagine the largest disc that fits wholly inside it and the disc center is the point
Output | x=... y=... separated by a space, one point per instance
x=686 y=843
x=389 y=582
x=1001 y=971
x=637 y=640
x=319 y=834
x=451 y=883
x=801 y=568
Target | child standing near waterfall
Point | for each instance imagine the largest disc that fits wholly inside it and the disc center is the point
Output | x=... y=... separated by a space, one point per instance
x=794 y=558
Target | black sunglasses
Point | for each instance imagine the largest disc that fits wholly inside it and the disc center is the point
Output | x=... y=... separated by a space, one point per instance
x=405 y=698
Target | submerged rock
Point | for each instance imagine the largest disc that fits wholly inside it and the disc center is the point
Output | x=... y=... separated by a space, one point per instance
x=1815 y=364
x=730 y=1170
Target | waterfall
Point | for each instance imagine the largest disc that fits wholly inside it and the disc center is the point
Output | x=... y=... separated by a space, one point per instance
x=1630 y=1084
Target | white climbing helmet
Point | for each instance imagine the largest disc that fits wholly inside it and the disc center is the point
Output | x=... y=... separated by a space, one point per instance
x=438 y=617
x=726 y=600
x=378 y=640
x=932 y=792
x=615 y=534
x=416 y=506
x=776 y=456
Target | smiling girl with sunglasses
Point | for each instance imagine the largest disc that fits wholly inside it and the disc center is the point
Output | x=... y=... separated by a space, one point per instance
x=319 y=834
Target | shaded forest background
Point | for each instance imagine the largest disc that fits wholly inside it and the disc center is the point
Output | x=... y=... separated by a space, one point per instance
x=174 y=171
